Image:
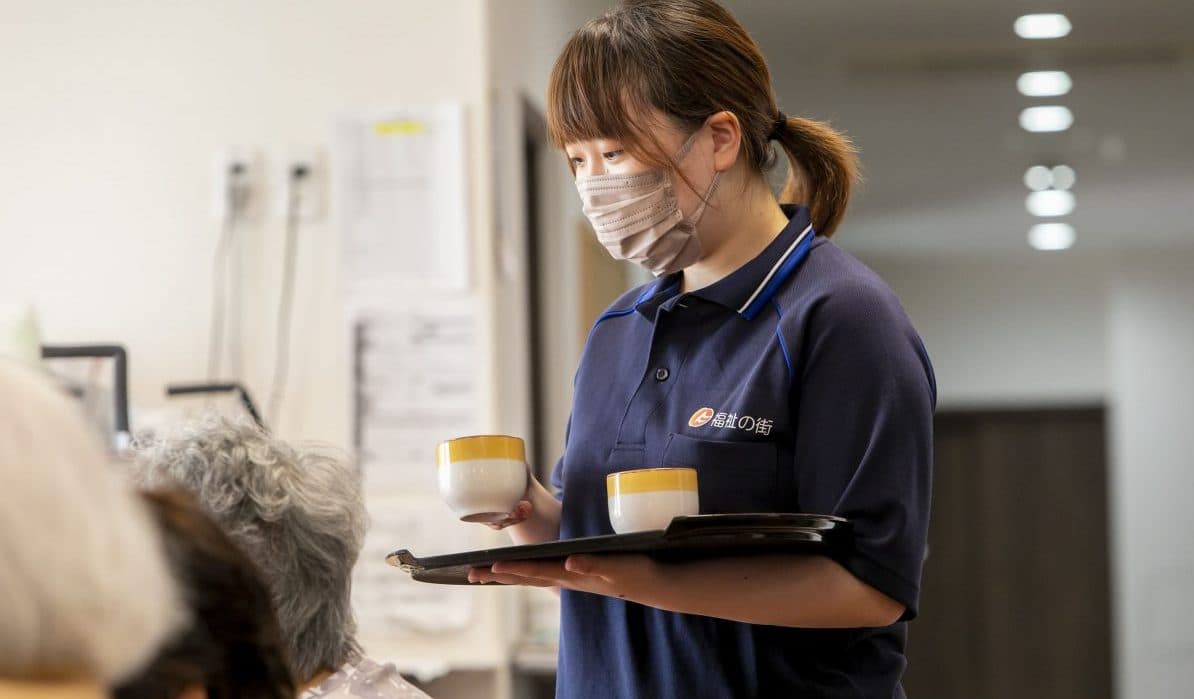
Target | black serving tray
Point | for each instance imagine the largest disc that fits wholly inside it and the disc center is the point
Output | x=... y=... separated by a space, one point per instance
x=686 y=538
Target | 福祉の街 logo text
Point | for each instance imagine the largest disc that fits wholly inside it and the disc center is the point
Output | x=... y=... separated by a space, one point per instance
x=731 y=421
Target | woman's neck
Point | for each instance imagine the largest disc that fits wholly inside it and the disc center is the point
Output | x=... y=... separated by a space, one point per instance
x=72 y=689
x=749 y=224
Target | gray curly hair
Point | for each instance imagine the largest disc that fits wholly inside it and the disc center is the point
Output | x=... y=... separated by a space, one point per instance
x=298 y=513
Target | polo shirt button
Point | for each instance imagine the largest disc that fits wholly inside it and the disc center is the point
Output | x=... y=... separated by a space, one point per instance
x=661 y=374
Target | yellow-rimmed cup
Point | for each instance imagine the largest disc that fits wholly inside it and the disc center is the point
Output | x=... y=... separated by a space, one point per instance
x=647 y=499
x=483 y=477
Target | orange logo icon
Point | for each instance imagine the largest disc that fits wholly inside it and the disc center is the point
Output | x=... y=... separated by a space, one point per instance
x=700 y=417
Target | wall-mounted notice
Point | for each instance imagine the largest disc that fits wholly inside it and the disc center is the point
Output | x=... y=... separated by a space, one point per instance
x=402 y=197
x=417 y=383
x=387 y=602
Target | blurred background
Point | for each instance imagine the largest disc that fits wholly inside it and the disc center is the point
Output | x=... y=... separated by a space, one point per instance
x=345 y=215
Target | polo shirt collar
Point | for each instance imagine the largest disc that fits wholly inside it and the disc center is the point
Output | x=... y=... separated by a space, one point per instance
x=749 y=288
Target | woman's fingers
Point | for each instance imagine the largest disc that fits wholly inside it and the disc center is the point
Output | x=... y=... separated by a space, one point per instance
x=520 y=513
x=541 y=570
x=485 y=575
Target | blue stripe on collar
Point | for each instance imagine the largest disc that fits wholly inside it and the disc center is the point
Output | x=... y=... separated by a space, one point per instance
x=783 y=269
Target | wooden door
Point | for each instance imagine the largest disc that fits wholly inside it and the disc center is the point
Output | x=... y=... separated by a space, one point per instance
x=1015 y=601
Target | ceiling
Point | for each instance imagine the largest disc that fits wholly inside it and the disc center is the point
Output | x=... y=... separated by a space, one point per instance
x=926 y=88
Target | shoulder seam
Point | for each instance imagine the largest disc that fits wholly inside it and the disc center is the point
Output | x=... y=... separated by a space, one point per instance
x=779 y=335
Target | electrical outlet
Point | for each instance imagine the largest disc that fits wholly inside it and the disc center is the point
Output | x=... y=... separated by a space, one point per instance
x=302 y=174
x=236 y=183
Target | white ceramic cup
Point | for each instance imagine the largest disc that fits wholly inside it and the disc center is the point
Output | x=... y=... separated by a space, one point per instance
x=482 y=478
x=647 y=499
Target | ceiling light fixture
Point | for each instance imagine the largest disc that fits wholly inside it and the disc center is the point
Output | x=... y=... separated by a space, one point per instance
x=1050 y=202
x=1038 y=178
x=1046 y=119
x=1063 y=177
x=1052 y=236
x=1044 y=83
x=1042 y=26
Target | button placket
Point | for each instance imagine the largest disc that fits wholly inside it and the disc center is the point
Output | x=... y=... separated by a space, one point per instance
x=652 y=390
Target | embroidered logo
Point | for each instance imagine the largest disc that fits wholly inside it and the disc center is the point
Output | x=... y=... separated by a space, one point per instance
x=731 y=421
x=701 y=417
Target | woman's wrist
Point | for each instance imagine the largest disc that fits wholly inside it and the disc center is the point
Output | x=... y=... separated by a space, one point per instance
x=544 y=522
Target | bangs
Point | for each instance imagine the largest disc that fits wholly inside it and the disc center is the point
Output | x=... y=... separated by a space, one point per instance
x=597 y=91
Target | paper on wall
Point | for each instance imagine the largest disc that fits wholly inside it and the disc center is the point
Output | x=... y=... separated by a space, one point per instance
x=417 y=384
x=402 y=197
x=387 y=602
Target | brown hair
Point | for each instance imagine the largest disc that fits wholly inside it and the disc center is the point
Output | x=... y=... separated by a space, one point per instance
x=232 y=646
x=691 y=59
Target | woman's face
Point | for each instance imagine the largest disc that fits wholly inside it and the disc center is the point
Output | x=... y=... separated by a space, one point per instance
x=603 y=156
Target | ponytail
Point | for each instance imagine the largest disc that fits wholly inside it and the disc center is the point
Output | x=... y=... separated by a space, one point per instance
x=824 y=167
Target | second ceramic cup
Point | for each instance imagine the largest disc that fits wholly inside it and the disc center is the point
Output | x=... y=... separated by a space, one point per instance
x=647 y=499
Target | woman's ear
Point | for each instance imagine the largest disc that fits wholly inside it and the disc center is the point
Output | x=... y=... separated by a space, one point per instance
x=727 y=139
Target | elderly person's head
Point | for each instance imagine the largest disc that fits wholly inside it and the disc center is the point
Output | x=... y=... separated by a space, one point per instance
x=232 y=648
x=86 y=594
x=297 y=513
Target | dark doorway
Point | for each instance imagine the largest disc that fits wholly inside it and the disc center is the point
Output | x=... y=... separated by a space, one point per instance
x=534 y=135
x=1015 y=601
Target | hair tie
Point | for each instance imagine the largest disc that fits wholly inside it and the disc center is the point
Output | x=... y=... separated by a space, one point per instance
x=778 y=128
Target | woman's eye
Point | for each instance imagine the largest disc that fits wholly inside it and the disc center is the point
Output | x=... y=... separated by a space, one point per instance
x=577 y=162
x=611 y=155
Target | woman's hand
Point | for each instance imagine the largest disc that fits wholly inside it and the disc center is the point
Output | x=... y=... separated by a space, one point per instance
x=521 y=513
x=629 y=577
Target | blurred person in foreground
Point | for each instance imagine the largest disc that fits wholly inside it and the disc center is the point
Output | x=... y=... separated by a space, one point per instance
x=300 y=517
x=86 y=594
x=232 y=649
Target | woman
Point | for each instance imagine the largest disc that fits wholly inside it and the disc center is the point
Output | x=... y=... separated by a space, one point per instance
x=86 y=595
x=232 y=648
x=300 y=517
x=777 y=365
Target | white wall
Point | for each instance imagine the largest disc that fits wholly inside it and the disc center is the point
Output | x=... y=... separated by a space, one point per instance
x=1152 y=385
x=525 y=38
x=527 y=35
x=1071 y=328
x=1008 y=331
x=112 y=115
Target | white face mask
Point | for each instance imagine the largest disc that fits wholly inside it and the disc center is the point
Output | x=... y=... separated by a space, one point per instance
x=637 y=217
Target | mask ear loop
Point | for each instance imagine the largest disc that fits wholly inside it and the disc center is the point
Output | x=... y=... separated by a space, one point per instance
x=696 y=217
x=683 y=151
x=679 y=156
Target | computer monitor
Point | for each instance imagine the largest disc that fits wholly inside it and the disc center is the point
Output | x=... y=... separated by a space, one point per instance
x=120 y=436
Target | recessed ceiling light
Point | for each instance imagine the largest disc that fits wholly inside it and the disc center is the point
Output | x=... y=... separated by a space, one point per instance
x=1063 y=177
x=1044 y=83
x=1038 y=177
x=1051 y=202
x=1044 y=119
x=1042 y=26
x=1051 y=236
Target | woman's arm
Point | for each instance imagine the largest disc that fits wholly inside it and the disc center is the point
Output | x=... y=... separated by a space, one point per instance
x=782 y=590
x=779 y=590
x=536 y=519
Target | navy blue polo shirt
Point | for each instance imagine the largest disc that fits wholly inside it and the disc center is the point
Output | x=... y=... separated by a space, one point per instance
x=794 y=384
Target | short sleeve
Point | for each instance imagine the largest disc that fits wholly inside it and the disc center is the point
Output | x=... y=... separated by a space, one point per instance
x=863 y=398
x=557 y=473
